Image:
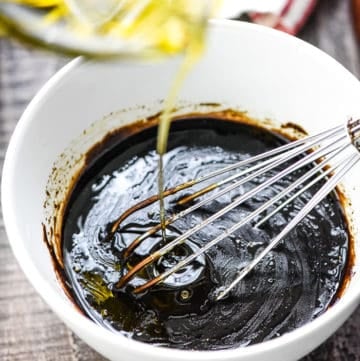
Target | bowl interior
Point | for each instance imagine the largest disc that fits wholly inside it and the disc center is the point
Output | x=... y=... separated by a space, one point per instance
x=250 y=68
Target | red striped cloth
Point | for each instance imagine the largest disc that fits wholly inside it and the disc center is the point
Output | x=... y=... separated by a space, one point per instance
x=291 y=19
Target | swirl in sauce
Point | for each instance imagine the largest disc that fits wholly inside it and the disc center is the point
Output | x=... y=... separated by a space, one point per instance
x=294 y=284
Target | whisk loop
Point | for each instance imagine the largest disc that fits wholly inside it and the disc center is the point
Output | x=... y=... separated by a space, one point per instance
x=332 y=153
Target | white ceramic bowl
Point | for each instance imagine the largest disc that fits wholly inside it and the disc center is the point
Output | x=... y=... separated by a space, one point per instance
x=265 y=72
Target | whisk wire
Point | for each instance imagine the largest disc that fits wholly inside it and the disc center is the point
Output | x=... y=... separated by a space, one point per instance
x=309 y=158
x=317 y=151
x=313 y=139
x=321 y=194
x=310 y=140
x=269 y=164
x=305 y=177
x=249 y=218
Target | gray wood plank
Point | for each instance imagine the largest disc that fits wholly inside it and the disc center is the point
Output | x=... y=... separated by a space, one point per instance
x=28 y=329
x=331 y=29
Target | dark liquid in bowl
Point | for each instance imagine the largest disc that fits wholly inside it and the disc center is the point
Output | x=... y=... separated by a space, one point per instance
x=295 y=283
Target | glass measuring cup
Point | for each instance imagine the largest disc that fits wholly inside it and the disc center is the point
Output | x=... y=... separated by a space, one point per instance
x=105 y=28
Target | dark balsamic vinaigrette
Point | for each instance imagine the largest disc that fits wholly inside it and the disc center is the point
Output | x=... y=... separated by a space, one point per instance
x=294 y=284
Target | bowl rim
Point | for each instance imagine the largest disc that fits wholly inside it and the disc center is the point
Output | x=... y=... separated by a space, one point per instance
x=69 y=314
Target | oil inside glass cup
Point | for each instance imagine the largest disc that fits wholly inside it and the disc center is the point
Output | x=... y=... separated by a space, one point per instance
x=102 y=28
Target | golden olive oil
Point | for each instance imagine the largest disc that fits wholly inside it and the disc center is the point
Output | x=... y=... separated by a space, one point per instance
x=192 y=54
x=166 y=27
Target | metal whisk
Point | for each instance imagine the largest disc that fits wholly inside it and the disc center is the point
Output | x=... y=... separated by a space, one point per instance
x=330 y=154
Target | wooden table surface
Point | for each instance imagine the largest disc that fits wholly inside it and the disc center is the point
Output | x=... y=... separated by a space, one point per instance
x=28 y=329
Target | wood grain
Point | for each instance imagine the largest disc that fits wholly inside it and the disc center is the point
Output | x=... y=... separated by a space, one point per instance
x=28 y=329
